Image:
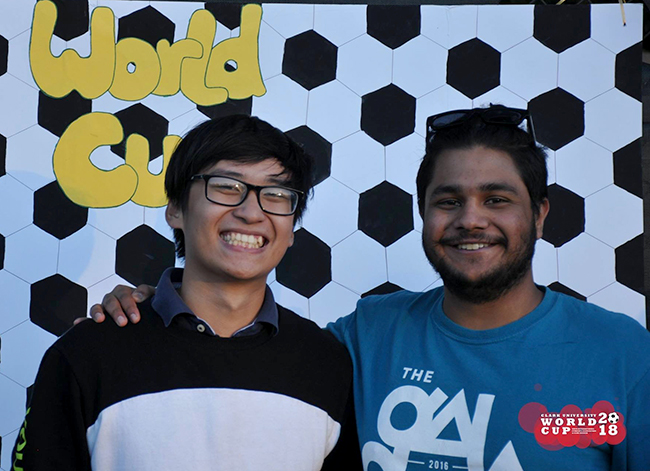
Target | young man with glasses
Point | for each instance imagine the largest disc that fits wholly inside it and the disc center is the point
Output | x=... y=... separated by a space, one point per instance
x=216 y=376
x=491 y=371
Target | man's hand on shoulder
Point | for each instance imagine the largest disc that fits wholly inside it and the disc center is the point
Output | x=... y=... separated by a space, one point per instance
x=120 y=304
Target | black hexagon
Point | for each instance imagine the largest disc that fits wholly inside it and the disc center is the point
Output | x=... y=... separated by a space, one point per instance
x=309 y=59
x=4 y=55
x=3 y=155
x=473 y=68
x=385 y=213
x=72 y=19
x=566 y=219
x=317 y=147
x=560 y=28
x=385 y=288
x=142 y=255
x=227 y=108
x=628 y=72
x=147 y=24
x=307 y=266
x=2 y=251
x=388 y=114
x=558 y=117
x=629 y=264
x=560 y=288
x=228 y=14
x=56 y=114
x=56 y=302
x=393 y=25
x=138 y=119
x=628 y=173
x=56 y=214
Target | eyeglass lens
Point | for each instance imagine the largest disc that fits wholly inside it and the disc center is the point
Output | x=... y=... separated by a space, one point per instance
x=231 y=192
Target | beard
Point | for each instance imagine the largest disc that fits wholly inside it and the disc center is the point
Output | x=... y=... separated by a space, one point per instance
x=494 y=283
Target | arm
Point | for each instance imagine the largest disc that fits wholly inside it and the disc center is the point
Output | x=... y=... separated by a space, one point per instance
x=346 y=454
x=53 y=435
x=120 y=302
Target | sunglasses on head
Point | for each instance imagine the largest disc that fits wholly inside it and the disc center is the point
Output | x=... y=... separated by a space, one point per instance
x=496 y=114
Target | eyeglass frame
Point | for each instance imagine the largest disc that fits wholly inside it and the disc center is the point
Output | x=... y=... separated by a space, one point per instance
x=256 y=188
x=480 y=112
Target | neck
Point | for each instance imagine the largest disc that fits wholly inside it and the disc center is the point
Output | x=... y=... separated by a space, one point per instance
x=520 y=300
x=226 y=306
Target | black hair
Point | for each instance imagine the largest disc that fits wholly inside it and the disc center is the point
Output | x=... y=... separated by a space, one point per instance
x=239 y=138
x=528 y=157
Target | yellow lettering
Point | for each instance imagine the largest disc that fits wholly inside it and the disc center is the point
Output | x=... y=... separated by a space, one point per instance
x=80 y=180
x=243 y=50
x=58 y=76
x=171 y=58
x=137 y=69
x=151 y=188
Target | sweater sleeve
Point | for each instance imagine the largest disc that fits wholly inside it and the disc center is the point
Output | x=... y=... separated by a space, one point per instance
x=53 y=435
x=346 y=454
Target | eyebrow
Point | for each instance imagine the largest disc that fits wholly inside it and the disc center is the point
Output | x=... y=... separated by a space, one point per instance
x=485 y=188
x=276 y=179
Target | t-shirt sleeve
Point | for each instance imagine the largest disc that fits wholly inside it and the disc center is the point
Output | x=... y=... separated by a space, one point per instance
x=53 y=435
x=340 y=327
x=637 y=423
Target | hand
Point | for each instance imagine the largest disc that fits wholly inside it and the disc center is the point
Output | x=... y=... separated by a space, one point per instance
x=120 y=302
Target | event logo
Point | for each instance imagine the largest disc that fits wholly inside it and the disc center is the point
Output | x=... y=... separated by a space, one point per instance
x=572 y=426
x=131 y=69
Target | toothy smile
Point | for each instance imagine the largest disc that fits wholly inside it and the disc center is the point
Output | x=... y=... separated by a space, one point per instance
x=247 y=241
x=471 y=246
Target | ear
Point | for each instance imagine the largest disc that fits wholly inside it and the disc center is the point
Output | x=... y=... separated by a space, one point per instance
x=544 y=208
x=174 y=216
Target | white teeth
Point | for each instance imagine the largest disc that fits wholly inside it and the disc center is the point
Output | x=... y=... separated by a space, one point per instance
x=471 y=246
x=248 y=241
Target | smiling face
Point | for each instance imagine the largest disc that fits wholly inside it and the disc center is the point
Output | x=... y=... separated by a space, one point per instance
x=240 y=243
x=479 y=228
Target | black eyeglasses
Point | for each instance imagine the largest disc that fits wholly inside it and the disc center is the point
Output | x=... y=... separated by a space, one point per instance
x=228 y=191
x=496 y=114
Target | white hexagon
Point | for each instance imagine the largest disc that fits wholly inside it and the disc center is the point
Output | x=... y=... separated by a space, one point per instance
x=419 y=66
x=364 y=65
x=31 y=254
x=12 y=407
x=436 y=284
x=585 y=264
x=81 y=44
x=529 y=69
x=29 y=156
x=169 y=106
x=608 y=29
x=334 y=111
x=19 y=213
x=403 y=160
x=358 y=162
x=448 y=26
x=184 y=123
x=14 y=293
x=586 y=70
x=408 y=266
x=499 y=96
x=20 y=98
x=290 y=299
x=271 y=52
x=22 y=350
x=18 y=65
x=584 y=167
x=16 y=17
x=155 y=218
x=440 y=100
x=87 y=256
x=105 y=159
x=340 y=23
x=288 y=20
x=97 y=291
x=503 y=27
x=544 y=263
x=284 y=104
x=417 y=219
x=619 y=298
x=551 y=166
x=332 y=214
x=613 y=215
x=115 y=222
x=359 y=263
x=5 y=457
x=613 y=119
x=330 y=303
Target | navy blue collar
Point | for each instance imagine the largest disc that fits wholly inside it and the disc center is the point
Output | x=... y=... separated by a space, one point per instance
x=168 y=303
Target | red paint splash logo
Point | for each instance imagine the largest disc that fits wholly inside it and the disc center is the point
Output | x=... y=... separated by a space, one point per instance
x=572 y=426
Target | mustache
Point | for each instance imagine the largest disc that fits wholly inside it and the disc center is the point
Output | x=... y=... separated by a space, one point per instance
x=473 y=238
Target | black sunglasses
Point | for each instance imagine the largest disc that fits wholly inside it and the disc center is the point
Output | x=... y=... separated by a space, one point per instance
x=496 y=114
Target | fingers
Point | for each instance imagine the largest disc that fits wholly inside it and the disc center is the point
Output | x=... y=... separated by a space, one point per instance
x=143 y=292
x=96 y=313
x=78 y=320
x=115 y=308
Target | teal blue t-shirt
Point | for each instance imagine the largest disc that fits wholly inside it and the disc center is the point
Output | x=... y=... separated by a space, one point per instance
x=430 y=394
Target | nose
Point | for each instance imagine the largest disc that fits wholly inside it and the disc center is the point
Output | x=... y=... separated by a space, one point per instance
x=249 y=210
x=472 y=216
